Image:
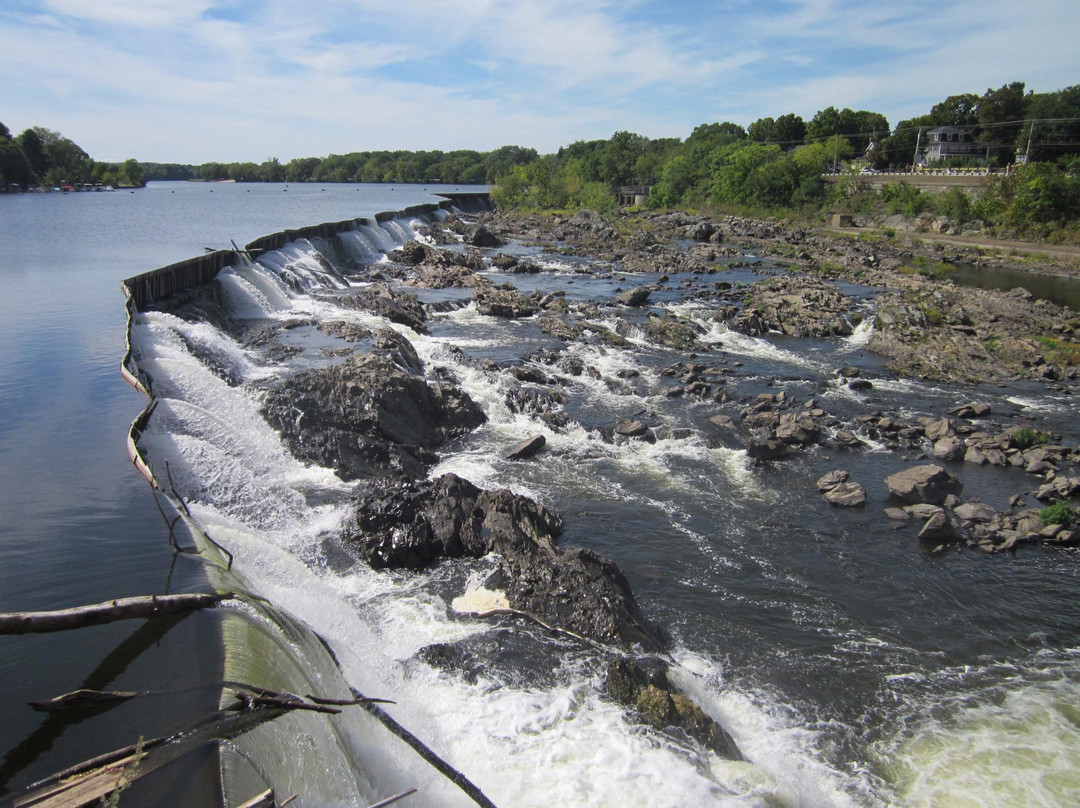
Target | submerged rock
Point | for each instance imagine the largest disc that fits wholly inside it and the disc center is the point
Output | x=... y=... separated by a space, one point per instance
x=643 y=685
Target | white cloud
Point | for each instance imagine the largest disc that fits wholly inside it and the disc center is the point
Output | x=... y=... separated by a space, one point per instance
x=203 y=79
x=136 y=13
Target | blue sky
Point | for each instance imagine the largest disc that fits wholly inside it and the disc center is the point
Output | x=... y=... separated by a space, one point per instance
x=198 y=80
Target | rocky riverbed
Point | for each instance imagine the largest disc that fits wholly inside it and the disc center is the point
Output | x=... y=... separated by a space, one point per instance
x=622 y=438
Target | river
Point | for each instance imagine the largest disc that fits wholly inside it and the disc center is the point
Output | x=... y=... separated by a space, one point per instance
x=852 y=666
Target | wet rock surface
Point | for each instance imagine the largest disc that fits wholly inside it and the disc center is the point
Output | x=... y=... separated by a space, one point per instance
x=368 y=416
x=409 y=524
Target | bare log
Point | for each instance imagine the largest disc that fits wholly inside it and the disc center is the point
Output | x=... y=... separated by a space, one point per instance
x=264 y=800
x=82 y=698
x=349 y=702
x=101 y=613
x=393 y=799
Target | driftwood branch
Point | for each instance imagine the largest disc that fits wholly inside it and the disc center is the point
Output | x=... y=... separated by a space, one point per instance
x=534 y=619
x=108 y=612
x=82 y=698
x=393 y=799
x=422 y=749
x=348 y=702
x=86 y=783
x=284 y=701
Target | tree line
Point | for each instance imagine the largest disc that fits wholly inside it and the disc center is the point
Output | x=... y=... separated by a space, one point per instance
x=777 y=164
x=462 y=167
x=40 y=156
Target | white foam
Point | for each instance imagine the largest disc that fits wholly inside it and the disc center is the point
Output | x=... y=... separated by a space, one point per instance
x=860 y=336
x=1020 y=750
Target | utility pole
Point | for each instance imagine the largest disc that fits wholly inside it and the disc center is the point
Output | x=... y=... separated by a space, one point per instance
x=918 y=142
x=1031 y=132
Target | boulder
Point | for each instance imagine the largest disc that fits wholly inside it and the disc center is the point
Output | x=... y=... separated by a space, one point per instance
x=503 y=301
x=631 y=428
x=923 y=484
x=973 y=410
x=949 y=447
x=938 y=528
x=767 y=448
x=643 y=685
x=396 y=307
x=482 y=237
x=526 y=448
x=634 y=297
x=411 y=524
x=829 y=481
x=368 y=417
x=846 y=495
x=797 y=428
x=975 y=512
x=936 y=429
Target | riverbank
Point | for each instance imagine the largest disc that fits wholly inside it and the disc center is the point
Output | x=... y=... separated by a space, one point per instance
x=927 y=326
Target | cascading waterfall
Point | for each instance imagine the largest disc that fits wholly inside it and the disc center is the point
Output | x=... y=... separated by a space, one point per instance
x=547 y=736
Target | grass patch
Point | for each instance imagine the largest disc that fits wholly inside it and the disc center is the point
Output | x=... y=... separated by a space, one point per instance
x=1060 y=351
x=1026 y=437
x=1057 y=514
x=934 y=315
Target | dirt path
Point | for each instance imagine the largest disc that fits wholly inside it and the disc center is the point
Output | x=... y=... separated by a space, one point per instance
x=1026 y=247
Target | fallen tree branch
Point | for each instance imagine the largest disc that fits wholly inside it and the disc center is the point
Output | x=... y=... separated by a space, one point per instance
x=82 y=698
x=284 y=701
x=349 y=702
x=393 y=799
x=534 y=619
x=101 y=613
x=422 y=749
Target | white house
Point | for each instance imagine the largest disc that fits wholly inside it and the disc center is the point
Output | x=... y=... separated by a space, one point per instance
x=951 y=141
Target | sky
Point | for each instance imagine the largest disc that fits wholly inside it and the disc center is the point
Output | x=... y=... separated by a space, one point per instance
x=193 y=81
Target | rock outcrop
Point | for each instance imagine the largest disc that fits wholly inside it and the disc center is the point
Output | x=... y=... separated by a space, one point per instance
x=369 y=417
x=409 y=524
x=929 y=484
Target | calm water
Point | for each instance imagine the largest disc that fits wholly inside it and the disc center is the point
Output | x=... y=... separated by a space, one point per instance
x=852 y=667
x=77 y=523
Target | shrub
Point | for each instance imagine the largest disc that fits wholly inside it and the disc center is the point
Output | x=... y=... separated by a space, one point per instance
x=1026 y=437
x=1056 y=514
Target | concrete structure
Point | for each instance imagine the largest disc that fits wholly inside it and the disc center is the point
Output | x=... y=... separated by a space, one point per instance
x=932 y=182
x=632 y=195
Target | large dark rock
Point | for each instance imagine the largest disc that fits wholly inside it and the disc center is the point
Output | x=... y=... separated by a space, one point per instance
x=634 y=297
x=394 y=306
x=482 y=237
x=643 y=685
x=369 y=417
x=411 y=524
x=526 y=448
x=503 y=301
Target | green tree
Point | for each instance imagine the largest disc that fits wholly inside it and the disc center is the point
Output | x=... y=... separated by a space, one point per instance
x=763 y=130
x=129 y=175
x=1001 y=113
x=1053 y=125
x=14 y=167
x=30 y=142
x=956 y=110
x=271 y=171
x=858 y=126
x=301 y=169
x=67 y=162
